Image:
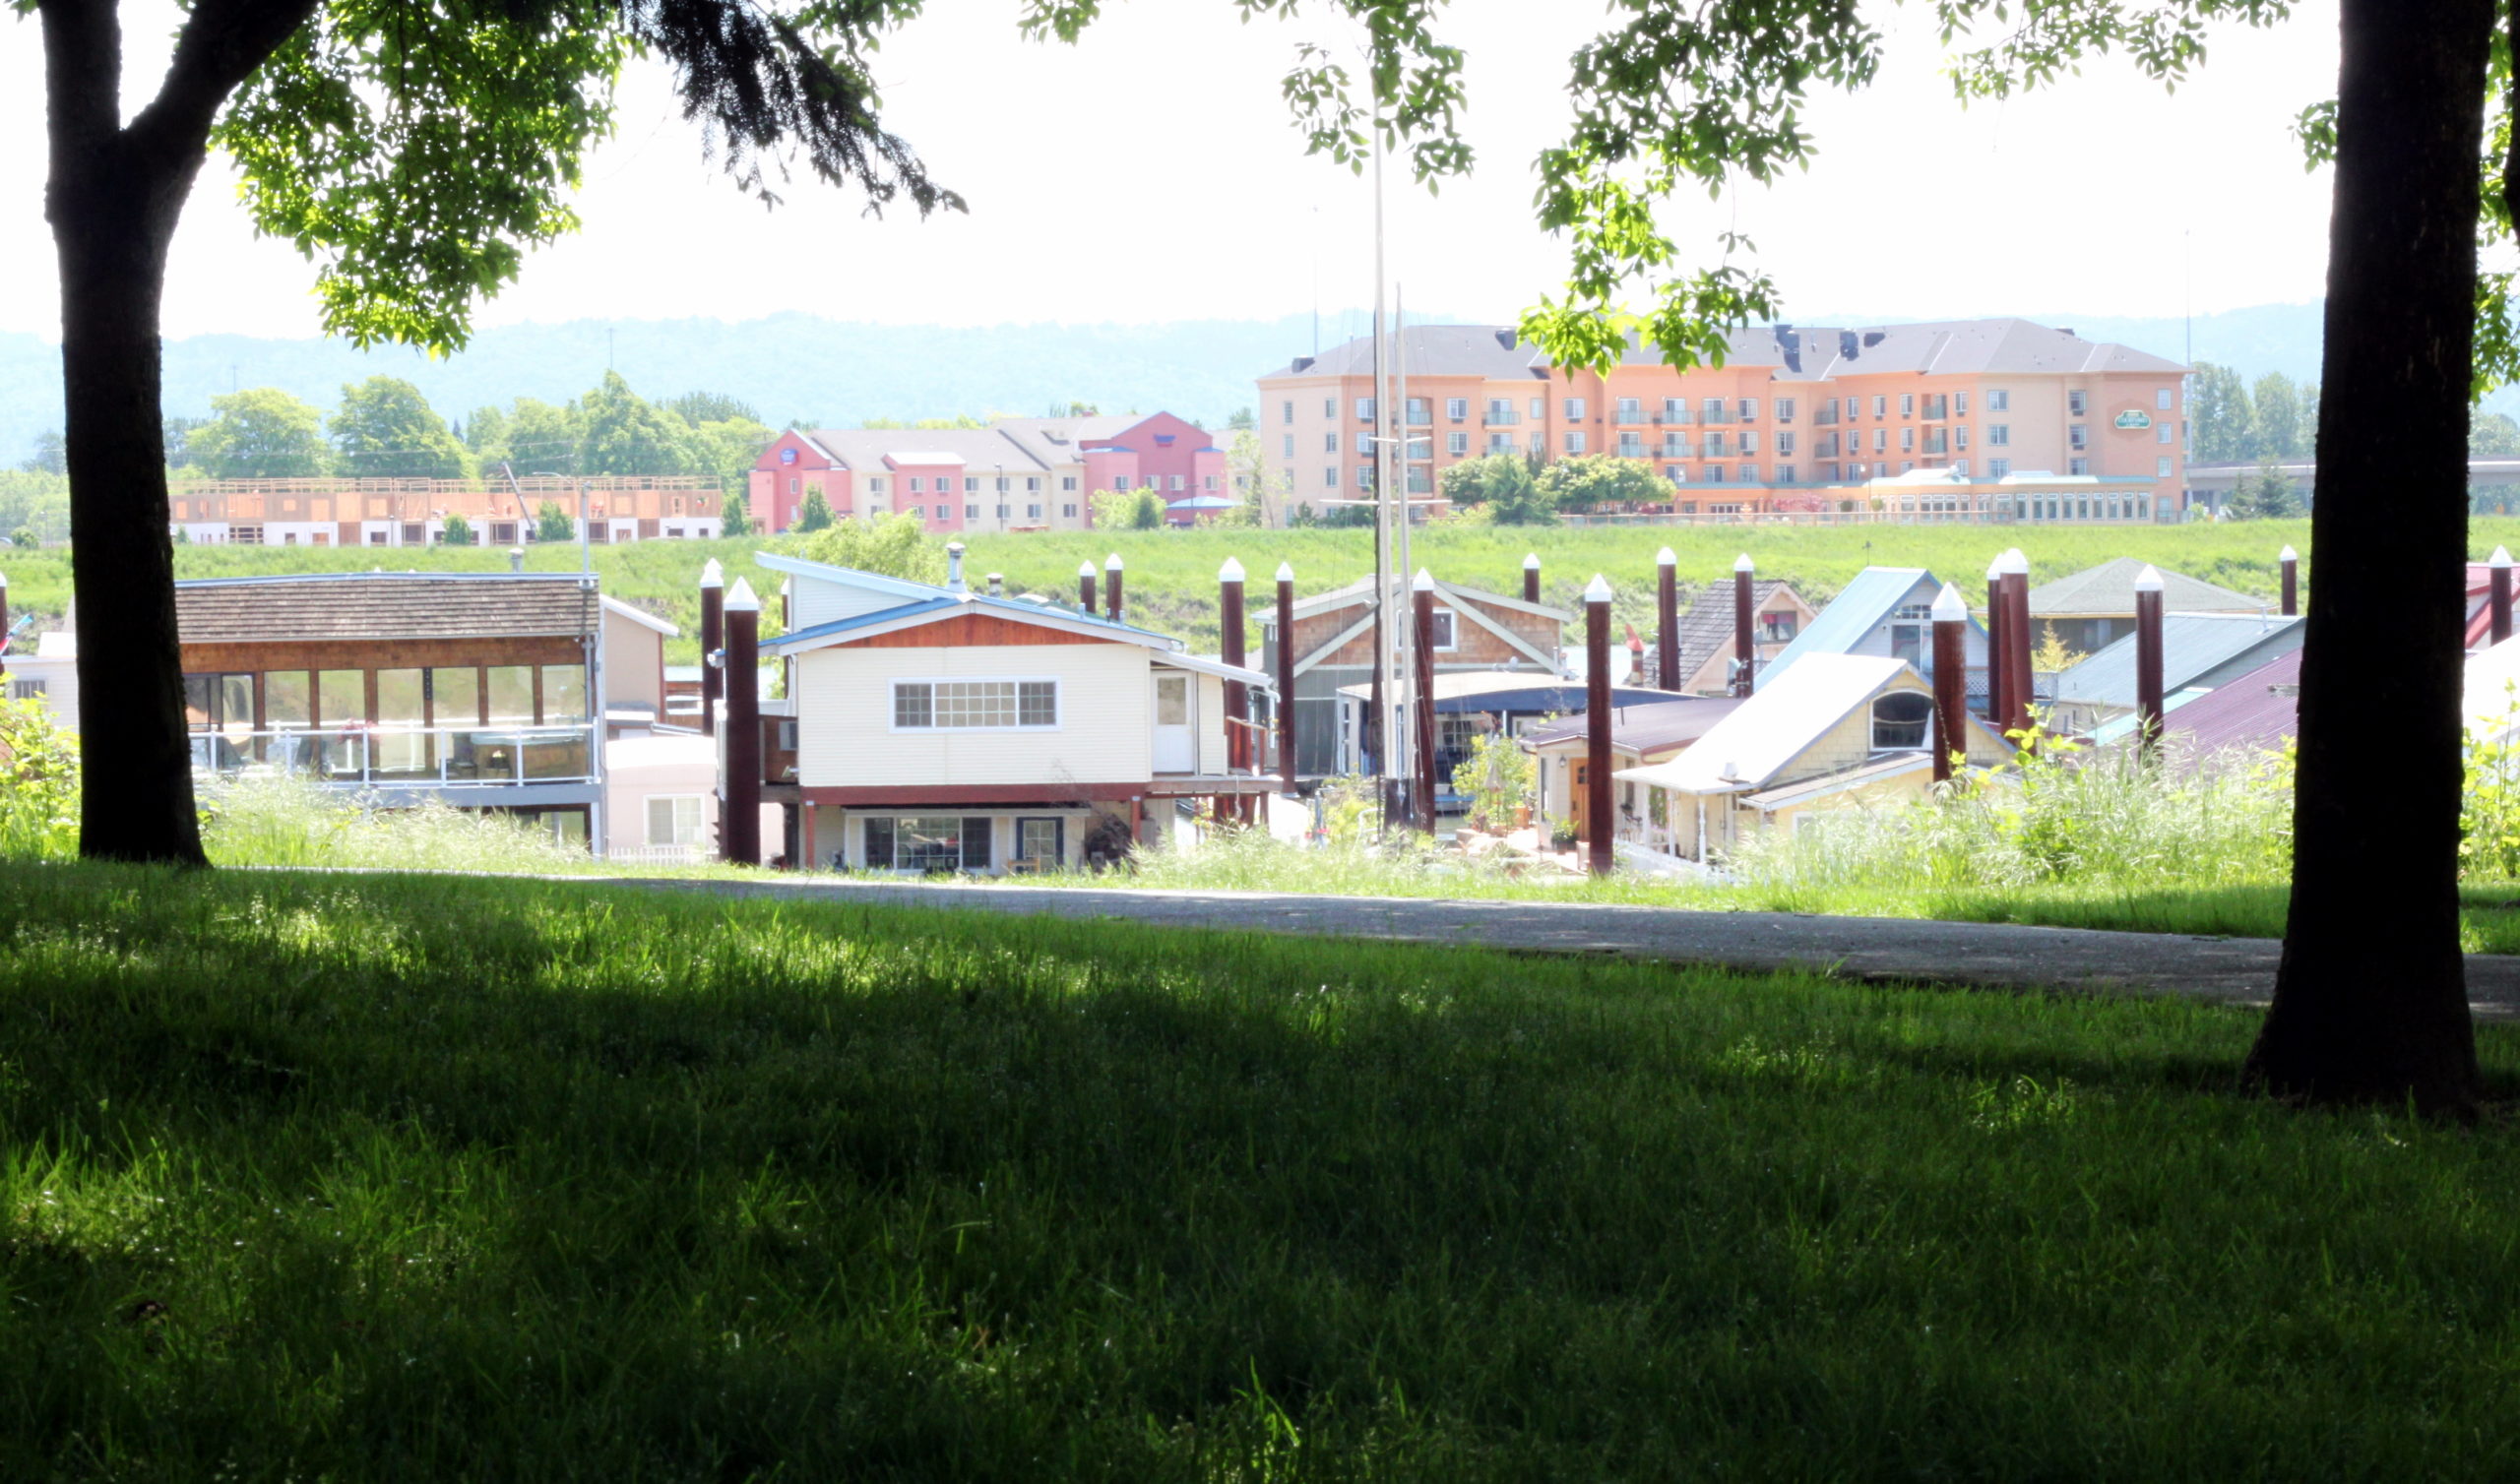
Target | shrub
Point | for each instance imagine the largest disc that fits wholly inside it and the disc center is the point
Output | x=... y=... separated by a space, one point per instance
x=459 y=531
x=553 y=524
x=288 y=822
x=38 y=784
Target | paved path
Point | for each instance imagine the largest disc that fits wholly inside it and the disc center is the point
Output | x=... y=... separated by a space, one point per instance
x=2230 y=970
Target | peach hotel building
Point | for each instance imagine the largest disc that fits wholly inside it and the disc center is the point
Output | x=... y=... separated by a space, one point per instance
x=1958 y=418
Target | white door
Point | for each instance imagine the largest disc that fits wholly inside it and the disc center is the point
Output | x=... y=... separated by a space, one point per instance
x=1176 y=741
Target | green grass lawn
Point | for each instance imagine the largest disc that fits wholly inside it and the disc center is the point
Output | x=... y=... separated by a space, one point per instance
x=1173 y=575
x=313 y=1177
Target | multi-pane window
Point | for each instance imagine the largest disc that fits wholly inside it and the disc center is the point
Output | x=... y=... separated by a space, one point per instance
x=1290 y=450
x=1574 y=410
x=1440 y=629
x=1907 y=404
x=1785 y=443
x=972 y=511
x=1286 y=413
x=2162 y=431
x=2075 y=403
x=1364 y=476
x=2161 y=467
x=1881 y=407
x=1998 y=468
x=1748 y=409
x=1998 y=399
x=1855 y=405
x=1960 y=435
x=1784 y=474
x=1907 y=439
x=1539 y=408
x=974 y=704
x=2078 y=466
x=1959 y=404
x=1067 y=483
x=673 y=818
x=2078 y=436
x=1630 y=410
x=928 y=843
x=1457 y=408
x=1420 y=411
x=1364 y=409
x=1574 y=443
x=1330 y=477
x=1750 y=440
x=1881 y=440
x=1456 y=444
x=1783 y=409
x=1998 y=434
x=1365 y=441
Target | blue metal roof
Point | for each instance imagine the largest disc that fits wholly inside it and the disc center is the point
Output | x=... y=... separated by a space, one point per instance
x=2197 y=649
x=1548 y=696
x=839 y=626
x=1857 y=611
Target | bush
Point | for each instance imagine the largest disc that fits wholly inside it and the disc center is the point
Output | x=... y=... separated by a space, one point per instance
x=38 y=785
x=286 y=822
x=553 y=524
x=1128 y=509
x=816 y=513
x=459 y=531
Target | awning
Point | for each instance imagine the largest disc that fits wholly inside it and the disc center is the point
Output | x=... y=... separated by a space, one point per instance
x=1257 y=679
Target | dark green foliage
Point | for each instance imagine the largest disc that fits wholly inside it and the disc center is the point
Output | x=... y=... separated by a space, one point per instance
x=621 y=433
x=50 y=457
x=734 y=520
x=815 y=513
x=1502 y=485
x=553 y=523
x=386 y=429
x=697 y=407
x=458 y=532
x=323 y=1176
x=260 y=433
x=1592 y=482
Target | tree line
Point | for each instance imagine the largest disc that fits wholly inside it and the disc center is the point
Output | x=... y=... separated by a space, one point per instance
x=385 y=429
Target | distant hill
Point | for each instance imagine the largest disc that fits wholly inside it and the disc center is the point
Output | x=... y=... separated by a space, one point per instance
x=833 y=373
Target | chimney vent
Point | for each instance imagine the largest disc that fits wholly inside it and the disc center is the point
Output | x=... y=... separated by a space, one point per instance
x=954 y=567
x=997 y=584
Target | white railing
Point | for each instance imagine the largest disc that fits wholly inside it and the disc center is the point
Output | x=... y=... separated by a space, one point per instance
x=403 y=756
x=661 y=855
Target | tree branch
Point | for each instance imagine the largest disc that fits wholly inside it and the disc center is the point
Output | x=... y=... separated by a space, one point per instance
x=222 y=44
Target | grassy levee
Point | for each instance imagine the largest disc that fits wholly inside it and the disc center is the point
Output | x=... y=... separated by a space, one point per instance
x=347 y=1177
x=1172 y=573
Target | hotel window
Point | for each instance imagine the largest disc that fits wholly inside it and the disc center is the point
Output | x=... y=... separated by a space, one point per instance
x=2078 y=467
x=1175 y=483
x=1718 y=445
x=1539 y=408
x=1574 y=442
x=1330 y=477
x=1960 y=435
x=791 y=484
x=1365 y=441
x=1907 y=439
x=2078 y=436
x=1540 y=443
x=918 y=512
x=1750 y=440
x=1998 y=434
x=1457 y=444
x=1998 y=399
x=2161 y=399
x=972 y=511
x=1457 y=408
x=1784 y=474
x=1881 y=407
x=2075 y=403
x=1290 y=450
x=1004 y=484
x=1630 y=410
x=1574 y=410
x=1960 y=467
x=1998 y=468
x=1364 y=409
x=1676 y=473
x=1881 y=440
x=1748 y=409
x=974 y=705
x=971 y=485
x=1715 y=474
x=1068 y=512
x=1500 y=443
x=918 y=484
x=1749 y=473
x=1959 y=404
x=2162 y=432
x=1031 y=511
x=1286 y=413
x=1784 y=442
x=1418 y=410
x=1330 y=442
x=1784 y=411
x=1713 y=410
x=1364 y=476
x=1676 y=409
x=2161 y=467
x=1212 y=484
x=1907 y=404
x=1855 y=405
x=1067 y=485
x=875 y=486
x=1121 y=482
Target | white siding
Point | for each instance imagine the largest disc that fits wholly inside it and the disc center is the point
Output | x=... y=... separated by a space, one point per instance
x=819 y=600
x=844 y=706
x=633 y=664
x=1211 y=719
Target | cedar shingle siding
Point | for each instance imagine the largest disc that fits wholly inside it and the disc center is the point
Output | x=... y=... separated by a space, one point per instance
x=383 y=606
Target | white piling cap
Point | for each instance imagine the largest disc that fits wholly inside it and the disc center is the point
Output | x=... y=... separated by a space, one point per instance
x=1666 y=558
x=1996 y=568
x=1230 y=572
x=1949 y=607
x=742 y=600
x=4 y=582
x=2149 y=580
x=2014 y=563
x=1531 y=563
x=2288 y=554
x=712 y=575
x=1286 y=571
x=1111 y=563
x=1742 y=562
x=1598 y=590
x=1425 y=582
x=2500 y=558
x=1084 y=569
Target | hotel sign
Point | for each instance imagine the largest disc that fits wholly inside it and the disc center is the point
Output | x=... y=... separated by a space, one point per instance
x=2134 y=418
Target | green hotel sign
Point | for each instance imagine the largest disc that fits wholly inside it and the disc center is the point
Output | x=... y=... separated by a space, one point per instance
x=2136 y=419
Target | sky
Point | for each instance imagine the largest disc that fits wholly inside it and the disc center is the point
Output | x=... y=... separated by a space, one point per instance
x=1150 y=175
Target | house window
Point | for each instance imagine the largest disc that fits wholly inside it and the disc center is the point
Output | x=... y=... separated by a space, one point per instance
x=674 y=820
x=1043 y=843
x=923 y=843
x=1440 y=627
x=940 y=706
x=1899 y=722
x=1776 y=627
x=27 y=689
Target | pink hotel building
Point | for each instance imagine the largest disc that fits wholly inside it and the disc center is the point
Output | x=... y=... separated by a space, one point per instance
x=1796 y=419
x=1017 y=474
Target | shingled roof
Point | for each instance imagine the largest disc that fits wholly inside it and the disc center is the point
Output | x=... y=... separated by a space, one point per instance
x=385 y=605
x=1706 y=625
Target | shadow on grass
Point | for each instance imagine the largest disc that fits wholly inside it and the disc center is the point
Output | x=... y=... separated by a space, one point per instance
x=429 y=1178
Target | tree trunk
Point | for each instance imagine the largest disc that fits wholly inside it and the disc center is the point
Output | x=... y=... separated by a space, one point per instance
x=112 y=218
x=2370 y=1000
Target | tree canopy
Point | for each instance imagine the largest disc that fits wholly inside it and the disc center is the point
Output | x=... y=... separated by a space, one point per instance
x=387 y=430
x=260 y=433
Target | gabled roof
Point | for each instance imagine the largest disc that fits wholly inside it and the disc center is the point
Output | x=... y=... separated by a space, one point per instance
x=2197 y=649
x=641 y=617
x=1866 y=601
x=1751 y=745
x=385 y=605
x=875 y=449
x=1706 y=623
x=2107 y=591
x=2259 y=711
x=925 y=602
x=1360 y=593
